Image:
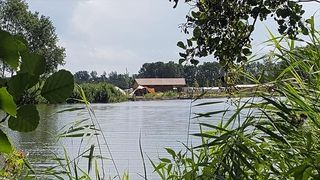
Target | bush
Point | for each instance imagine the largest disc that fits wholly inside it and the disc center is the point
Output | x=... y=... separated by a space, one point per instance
x=99 y=93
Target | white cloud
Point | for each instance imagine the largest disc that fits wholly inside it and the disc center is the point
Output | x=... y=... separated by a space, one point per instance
x=109 y=35
x=110 y=54
x=109 y=16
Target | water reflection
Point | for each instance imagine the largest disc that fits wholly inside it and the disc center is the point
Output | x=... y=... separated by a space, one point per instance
x=39 y=145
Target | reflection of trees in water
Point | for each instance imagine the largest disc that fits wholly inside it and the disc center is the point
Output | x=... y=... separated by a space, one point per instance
x=41 y=143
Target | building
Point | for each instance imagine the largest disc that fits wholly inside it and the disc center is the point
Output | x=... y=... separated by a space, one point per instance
x=159 y=84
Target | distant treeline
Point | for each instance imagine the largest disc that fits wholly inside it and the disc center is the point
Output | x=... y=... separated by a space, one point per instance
x=208 y=74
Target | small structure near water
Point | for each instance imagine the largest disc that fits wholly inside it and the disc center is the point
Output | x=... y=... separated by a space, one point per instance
x=151 y=85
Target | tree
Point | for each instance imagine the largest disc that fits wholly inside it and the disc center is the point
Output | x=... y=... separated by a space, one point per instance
x=208 y=74
x=223 y=28
x=37 y=30
x=94 y=76
x=103 y=77
x=189 y=73
x=81 y=77
x=123 y=81
x=160 y=70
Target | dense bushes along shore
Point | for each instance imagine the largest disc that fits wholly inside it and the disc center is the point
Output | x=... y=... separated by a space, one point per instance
x=98 y=93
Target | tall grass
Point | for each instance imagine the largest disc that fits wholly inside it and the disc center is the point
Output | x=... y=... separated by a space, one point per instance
x=94 y=156
x=274 y=135
x=92 y=147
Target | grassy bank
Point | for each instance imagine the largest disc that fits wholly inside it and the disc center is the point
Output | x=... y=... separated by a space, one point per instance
x=175 y=95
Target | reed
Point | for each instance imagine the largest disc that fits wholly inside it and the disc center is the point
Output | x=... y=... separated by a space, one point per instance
x=272 y=135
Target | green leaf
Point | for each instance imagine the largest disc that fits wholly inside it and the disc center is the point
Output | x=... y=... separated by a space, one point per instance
x=246 y=51
x=209 y=114
x=183 y=55
x=5 y=145
x=90 y=157
x=196 y=32
x=6 y=102
x=58 y=87
x=27 y=119
x=194 y=61
x=298 y=171
x=271 y=133
x=182 y=60
x=70 y=109
x=213 y=126
x=10 y=46
x=19 y=83
x=166 y=160
x=189 y=42
x=181 y=45
x=170 y=151
x=33 y=64
x=160 y=166
x=3 y=82
x=208 y=103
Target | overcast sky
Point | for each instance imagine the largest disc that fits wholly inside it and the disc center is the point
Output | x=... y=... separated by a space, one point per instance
x=115 y=35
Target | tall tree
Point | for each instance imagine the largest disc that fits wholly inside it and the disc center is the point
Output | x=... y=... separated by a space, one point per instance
x=189 y=73
x=94 y=76
x=160 y=70
x=208 y=74
x=81 y=77
x=123 y=81
x=36 y=29
x=223 y=28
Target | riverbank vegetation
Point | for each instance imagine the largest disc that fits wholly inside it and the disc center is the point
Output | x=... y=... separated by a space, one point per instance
x=208 y=74
x=269 y=136
x=28 y=81
x=273 y=135
x=28 y=70
x=98 y=93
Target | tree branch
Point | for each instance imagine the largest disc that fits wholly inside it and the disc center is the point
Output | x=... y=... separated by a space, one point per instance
x=317 y=1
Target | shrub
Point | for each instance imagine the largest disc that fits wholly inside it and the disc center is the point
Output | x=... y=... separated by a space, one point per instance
x=99 y=93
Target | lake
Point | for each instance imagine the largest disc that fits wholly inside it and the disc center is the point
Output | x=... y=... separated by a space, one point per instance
x=161 y=124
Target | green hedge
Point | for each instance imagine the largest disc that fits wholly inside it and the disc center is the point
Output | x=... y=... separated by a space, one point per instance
x=98 y=93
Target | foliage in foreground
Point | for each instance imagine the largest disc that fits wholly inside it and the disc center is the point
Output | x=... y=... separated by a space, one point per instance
x=27 y=82
x=223 y=28
x=271 y=136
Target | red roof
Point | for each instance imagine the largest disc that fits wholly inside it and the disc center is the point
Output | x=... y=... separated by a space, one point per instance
x=161 y=81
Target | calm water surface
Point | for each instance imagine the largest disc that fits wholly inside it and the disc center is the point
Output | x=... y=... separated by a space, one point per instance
x=161 y=123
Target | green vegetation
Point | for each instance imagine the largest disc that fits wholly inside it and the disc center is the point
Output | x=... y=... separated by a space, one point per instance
x=123 y=81
x=14 y=165
x=28 y=81
x=98 y=93
x=159 y=96
x=272 y=135
x=208 y=74
x=269 y=136
x=223 y=28
x=91 y=146
x=36 y=30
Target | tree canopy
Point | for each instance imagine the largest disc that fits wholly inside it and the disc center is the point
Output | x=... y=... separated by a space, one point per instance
x=223 y=28
x=208 y=74
x=36 y=29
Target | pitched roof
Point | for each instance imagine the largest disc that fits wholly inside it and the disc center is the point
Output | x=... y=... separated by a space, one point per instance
x=161 y=81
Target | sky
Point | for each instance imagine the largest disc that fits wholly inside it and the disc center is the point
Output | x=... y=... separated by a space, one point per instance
x=121 y=35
